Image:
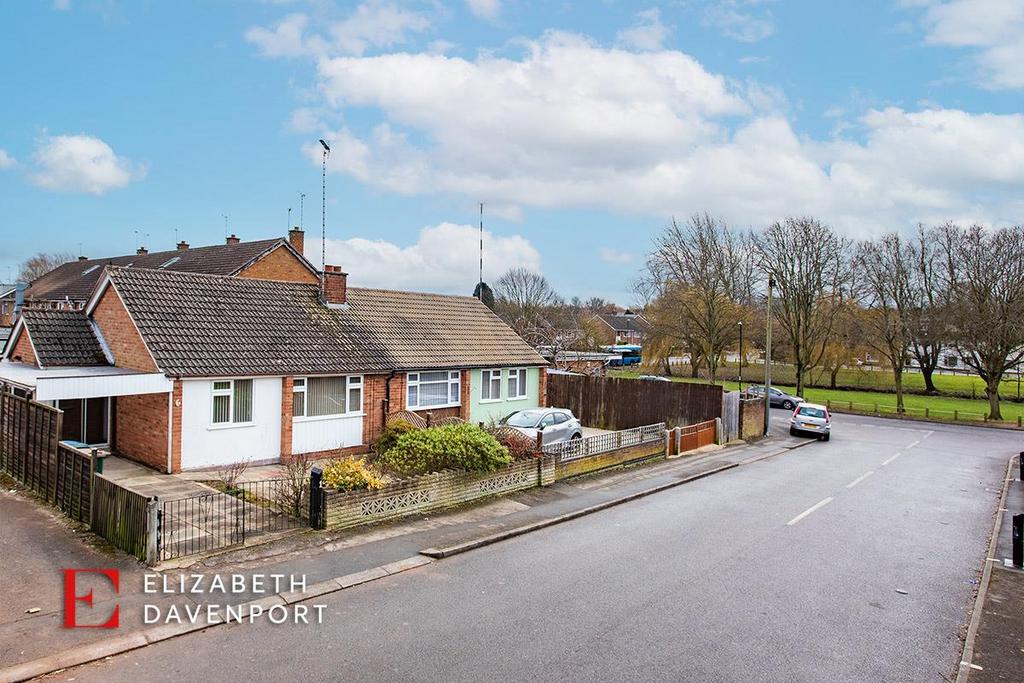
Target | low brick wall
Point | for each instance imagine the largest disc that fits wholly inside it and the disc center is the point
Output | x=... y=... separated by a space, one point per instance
x=592 y=463
x=432 y=492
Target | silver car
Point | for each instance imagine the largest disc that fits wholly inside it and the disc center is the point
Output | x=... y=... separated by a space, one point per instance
x=811 y=418
x=556 y=424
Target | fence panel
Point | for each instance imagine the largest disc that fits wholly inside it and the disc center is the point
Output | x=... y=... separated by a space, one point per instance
x=72 y=490
x=603 y=443
x=119 y=515
x=731 y=416
x=231 y=515
x=616 y=403
x=29 y=433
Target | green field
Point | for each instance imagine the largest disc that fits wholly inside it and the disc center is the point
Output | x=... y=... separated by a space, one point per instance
x=938 y=407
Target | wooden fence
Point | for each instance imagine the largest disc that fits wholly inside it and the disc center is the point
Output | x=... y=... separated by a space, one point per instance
x=618 y=403
x=29 y=433
x=122 y=517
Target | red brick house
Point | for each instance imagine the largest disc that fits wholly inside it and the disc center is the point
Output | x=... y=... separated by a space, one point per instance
x=185 y=370
x=620 y=328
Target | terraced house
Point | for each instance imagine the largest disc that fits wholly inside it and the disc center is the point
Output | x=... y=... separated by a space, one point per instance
x=183 y=369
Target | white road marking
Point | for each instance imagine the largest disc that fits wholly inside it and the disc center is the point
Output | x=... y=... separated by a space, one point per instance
x=859 y=479
x=809 y=510
x=890 y=459
x=914 y=444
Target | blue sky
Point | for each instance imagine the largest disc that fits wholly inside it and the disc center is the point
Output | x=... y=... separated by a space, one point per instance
x=584 y=127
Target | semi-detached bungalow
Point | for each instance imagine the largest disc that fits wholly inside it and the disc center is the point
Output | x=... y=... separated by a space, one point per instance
x=183 y=370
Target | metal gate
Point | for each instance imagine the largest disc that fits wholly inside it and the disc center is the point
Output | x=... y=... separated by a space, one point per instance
x=231 y=515
x=730 y=416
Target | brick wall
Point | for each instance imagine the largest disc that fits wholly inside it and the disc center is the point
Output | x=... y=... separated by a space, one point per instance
x=542 y=388
x=121 y=335
x=428 y=492
x=751 y=418
x=176 y=427
x=600 y=461
x=374 y=387
x=141 y=432
x=287 y=399
x=280 y=264
x=22 y=351
x=399 y=396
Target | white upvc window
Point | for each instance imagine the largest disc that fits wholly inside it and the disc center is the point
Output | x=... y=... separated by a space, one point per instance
x=490 y=385
x=517 y=383
x=231 y=401
x=434 y=389
x=314 y=397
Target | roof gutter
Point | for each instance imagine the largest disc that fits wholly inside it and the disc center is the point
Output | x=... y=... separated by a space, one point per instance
x=386 y=405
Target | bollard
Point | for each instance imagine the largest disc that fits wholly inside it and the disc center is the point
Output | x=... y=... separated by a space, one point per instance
x=1018 y=541
x=316 y=498
x=1020 y=462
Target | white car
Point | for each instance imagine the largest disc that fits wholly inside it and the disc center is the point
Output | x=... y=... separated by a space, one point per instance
x=557 y=424
x=655 y=378
x=811 y=418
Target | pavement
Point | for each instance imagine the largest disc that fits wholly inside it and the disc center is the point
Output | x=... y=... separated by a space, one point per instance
x=848 y=561
x=997 y=649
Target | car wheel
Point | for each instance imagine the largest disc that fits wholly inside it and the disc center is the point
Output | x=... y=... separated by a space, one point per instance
x=788 y=405
x=575 y=437
x=792 y=432
x=826 y=437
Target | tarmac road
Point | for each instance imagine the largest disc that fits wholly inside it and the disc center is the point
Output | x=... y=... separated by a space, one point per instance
x=854 y=560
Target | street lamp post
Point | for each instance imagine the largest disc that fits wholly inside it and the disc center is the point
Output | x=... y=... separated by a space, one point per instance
x=768 y=356
x=740 y=323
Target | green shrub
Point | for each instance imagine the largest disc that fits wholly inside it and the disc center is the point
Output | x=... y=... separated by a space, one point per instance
x=389 y=437
x=350 y=474
x=455 y=446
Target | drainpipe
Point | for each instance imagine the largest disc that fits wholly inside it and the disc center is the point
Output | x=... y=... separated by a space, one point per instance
x=386 y=406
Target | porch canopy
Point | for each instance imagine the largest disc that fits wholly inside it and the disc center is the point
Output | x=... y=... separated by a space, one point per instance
x=52 y=384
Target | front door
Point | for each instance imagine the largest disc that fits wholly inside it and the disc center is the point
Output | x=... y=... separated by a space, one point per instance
x=85 y=420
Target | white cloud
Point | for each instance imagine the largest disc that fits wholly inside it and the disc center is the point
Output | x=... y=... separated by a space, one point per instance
x=373 y=24
x=616 y=257
x=445 y=259
x=994 y=28
x=485 y=9
x=81 y=163
x=62 y=5
x=740 y=20
x=647 y=32
x=6 y=160
x=572 y=124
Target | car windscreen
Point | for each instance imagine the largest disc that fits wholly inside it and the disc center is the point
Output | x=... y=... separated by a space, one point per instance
x=811 y=412
x=524 y=418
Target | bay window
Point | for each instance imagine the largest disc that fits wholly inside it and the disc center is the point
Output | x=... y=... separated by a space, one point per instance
x=327 y=396
x=435 y=389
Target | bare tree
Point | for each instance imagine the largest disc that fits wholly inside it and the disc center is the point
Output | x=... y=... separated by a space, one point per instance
x=926 y=316
x=810 y=265
x=984 y=271
x=699 y=271
x=41 y=264
x=885 y=270
x=522 y=297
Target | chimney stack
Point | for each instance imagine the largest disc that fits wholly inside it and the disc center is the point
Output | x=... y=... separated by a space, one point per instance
x=297 y=238
x=183 y=246
x=83 y=258
x=141 y=251
x=335 y=286
x=232 y=239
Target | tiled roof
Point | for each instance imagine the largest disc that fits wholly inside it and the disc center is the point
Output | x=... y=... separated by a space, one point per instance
x=621 y=321
x=63 y=338
x=76 y=280
x=438 y=331
x=206 y=326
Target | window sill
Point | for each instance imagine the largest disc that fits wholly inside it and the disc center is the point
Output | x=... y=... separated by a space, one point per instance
x=418 y=409
x=230 y=425
x=490 y=400
x=321 y=418
x=517 y=398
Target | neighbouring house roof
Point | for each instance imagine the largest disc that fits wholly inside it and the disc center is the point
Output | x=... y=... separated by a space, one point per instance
x=623 y=321
x=198 y=325
x=424 y=331
x=77 y=279
x=63 y=338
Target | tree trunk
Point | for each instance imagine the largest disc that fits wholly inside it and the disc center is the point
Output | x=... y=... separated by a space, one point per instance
x=897 y=375
x=832 y=378
x=929 y=385
x=992 y=387
x=694 y=367
x=799 y=378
